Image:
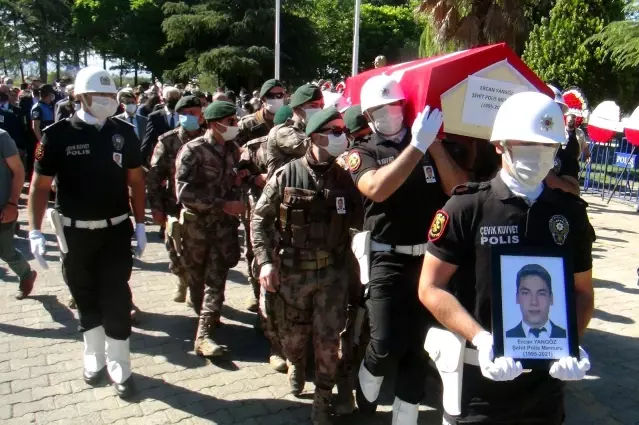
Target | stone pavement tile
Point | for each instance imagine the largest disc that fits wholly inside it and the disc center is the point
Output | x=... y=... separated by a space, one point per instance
x=112 y=415
x=93 y=407
x=27 y=419
x=157 y=418
x=45 y=404
x=23 y=396
x=20 y=384
x=67 y=413
x=5 y=412
x=75 y=398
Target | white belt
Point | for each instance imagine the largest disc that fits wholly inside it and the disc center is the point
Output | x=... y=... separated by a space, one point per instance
x=471 y=356
x=415 y=250
x=94 y=224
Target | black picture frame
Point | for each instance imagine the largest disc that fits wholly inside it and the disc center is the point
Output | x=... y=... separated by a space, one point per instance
x=497 y=254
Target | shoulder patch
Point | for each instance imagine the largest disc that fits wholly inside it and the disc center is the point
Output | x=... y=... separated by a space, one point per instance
x=56 y=126
x=35 y=114
x=39 y=152
x=470 y=187
x=122 y=121
x=354 y=161
x=438 y=227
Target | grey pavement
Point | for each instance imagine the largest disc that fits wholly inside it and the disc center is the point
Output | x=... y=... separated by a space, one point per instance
x=41 y=367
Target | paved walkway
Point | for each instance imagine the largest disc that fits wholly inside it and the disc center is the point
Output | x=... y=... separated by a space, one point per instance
x=40 y=364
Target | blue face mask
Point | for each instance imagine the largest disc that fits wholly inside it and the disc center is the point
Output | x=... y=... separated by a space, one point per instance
x=189 y=122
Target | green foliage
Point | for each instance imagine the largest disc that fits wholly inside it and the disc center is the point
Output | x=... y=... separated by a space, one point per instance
x=621 y=38
x=557 y=53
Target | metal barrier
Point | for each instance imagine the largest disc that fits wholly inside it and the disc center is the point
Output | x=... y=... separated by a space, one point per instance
x=612 y=171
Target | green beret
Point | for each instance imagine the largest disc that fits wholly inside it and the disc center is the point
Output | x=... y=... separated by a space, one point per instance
x=318 y=120
x=268 y=85
x=187 y=102
x=354 y=119
x=306 y=93
x=282 y=114
x=218 y=110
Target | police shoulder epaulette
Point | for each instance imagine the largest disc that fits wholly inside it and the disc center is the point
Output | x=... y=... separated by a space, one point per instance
x=470 y=187
x=563 y=196
x=254 y=143
x=121 y=121
x=58 y=125
x=169 y=133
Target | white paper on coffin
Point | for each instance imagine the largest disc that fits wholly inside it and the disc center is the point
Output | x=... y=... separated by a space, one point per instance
x=484 y=97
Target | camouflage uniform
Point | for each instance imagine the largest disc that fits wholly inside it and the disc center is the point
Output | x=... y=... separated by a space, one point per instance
x=160 y=186
x=300 y=201
x=253 y=126
x=204 y=182
x=285 y=142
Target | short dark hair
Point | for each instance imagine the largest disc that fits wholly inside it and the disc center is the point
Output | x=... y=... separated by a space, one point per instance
x=534 y=270
x=46 y=90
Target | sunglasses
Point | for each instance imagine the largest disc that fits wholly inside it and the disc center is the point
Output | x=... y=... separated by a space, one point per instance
x=336 y=131
x=274 y=95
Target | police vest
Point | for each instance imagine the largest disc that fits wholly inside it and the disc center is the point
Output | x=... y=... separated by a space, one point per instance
x=314 y=218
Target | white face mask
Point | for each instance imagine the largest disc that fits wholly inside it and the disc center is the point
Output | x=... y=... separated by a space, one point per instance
x=529 y=165
x=103 y=107
x=336 y=145
x=310 y=112
x=273 y=105
x=131 y=108
x=388 y=120
x=230 y=133
x=77 y=106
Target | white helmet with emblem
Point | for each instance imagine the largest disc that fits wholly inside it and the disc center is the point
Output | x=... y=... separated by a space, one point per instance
x=529 y=117
x=94 y=79
x=380 y=90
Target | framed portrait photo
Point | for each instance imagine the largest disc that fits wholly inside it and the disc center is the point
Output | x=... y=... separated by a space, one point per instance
x=533 y=308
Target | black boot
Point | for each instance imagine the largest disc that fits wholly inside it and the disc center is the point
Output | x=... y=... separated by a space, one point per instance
x=94 y=378
x=125 y=389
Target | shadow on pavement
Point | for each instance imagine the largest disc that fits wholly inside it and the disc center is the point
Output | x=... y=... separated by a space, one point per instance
x=608 y=284
x=610 y=317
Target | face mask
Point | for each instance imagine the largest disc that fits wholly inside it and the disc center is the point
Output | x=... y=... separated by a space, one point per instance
x=230 y=133
x=131 y=108
x=77 y=106
x=336 y=145
x=189 y=122
x=388 y=120
x=529 y=165
x=171 y=103
x=310 y=112
x=273 y=105
x=103 y=107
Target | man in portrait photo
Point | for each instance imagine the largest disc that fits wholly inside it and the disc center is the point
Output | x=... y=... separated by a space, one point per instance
x=534 y=296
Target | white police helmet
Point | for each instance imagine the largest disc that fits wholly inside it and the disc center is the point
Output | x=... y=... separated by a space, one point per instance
x=380 y=90
x=93 y=79
x=529 y=117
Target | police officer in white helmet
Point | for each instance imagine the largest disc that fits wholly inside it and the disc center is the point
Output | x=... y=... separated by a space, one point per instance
x=456 y=283
x=95 y=159
x=405 y=176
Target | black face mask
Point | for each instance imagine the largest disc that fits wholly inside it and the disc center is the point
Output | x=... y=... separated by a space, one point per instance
x=171 y=103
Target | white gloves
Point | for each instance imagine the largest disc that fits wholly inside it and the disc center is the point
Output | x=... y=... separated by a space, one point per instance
x=569 y=369
x=266 y=270
x=499 y=369
x=425 y=128
x=38 y=247
x=140 y=236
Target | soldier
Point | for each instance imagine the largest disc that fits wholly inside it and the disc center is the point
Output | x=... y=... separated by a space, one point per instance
x=205 y=180
x=288 y=141
x=455 y=283
x=251 y=127
x=312 y=204
x=160 y=181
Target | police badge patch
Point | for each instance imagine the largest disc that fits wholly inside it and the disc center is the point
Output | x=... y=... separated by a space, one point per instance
x=559 y=228
x=39 y=153
x=35 y=114
x=437 y=228
x=354 y=161
x=105 y=81
x=118 y=142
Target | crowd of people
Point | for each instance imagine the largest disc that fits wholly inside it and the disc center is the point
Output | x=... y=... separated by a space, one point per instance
x=350 y=215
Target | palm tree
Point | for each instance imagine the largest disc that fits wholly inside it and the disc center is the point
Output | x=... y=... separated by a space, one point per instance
x=469 y=23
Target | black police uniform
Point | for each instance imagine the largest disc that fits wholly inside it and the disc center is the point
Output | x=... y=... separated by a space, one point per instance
x=566 y=162
x=478 y=217
x=397 y=319
x=91 y=166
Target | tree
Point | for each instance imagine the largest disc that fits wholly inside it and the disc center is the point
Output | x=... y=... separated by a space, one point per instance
x=557 y=51
x=621 y=38
x=233 y=39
